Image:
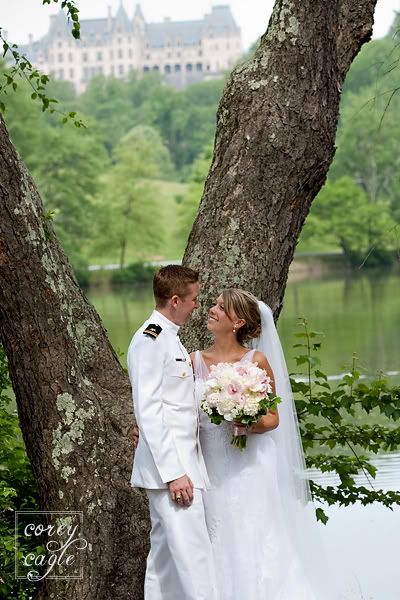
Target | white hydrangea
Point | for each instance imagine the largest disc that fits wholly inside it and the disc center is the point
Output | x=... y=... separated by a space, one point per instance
x=235 y=390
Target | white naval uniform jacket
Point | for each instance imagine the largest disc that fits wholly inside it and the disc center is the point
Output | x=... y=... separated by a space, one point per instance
x=166 y=413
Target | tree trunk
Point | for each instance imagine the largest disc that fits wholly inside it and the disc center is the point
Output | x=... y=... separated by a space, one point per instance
x=73 y=397
x=276 y=126
x=275 y=140
x=122 y=253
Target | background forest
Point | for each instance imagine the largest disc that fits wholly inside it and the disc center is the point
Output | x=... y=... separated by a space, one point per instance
x=126 y=188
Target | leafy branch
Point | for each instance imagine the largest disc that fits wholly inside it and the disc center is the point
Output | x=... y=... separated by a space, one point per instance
x=22 y=69
x=339 y=419
x=72 y=14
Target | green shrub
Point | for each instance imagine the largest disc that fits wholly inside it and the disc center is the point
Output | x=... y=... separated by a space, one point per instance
x=17 y=489
x=134 y=273
x=378 y=257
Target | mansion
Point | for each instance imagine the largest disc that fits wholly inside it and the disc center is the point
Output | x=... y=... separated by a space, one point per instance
x=184 y=52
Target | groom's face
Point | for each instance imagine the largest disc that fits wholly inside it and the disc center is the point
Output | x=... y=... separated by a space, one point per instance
x=185 y=305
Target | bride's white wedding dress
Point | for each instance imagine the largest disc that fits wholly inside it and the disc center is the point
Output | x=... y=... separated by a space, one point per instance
x=250 y=533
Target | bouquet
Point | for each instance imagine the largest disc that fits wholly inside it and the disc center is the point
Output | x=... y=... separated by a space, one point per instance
x=239 y=392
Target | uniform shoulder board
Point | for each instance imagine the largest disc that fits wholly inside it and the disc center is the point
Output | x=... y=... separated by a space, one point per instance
x=153 y=330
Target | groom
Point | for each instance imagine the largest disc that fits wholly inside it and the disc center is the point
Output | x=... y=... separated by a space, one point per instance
x=168 y=461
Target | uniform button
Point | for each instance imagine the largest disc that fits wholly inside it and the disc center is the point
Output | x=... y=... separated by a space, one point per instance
x=183 y=374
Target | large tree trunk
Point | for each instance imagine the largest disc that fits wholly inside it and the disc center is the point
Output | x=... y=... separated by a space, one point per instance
x=275 y=140
x=73 y=397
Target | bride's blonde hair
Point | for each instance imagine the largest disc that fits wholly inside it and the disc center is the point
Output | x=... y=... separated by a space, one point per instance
x=245 y=306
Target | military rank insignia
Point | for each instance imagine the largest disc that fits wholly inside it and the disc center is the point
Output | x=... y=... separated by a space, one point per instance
x=153 y=330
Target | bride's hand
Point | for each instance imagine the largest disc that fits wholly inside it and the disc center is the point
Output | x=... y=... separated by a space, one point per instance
x=266 y=423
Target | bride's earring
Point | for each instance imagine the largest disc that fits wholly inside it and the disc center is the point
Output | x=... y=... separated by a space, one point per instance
x=234 y=330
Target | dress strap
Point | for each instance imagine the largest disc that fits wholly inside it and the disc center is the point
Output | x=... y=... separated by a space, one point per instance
x=200 y=368
x=248 y=356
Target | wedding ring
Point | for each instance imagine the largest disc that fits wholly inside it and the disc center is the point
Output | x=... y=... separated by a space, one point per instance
x=178 y=498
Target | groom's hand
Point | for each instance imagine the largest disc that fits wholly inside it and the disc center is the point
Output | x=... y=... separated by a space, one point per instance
x=135 y=437
x=181 y=490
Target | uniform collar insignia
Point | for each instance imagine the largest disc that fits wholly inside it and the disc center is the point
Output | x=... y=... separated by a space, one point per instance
x=153 y=330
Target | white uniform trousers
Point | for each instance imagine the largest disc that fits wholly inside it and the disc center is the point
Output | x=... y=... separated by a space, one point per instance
x=180 y=564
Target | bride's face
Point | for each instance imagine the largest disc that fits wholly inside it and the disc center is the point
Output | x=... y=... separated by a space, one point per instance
x=218 y=321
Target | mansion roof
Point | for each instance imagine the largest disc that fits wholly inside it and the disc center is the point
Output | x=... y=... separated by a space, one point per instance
x=218 y=22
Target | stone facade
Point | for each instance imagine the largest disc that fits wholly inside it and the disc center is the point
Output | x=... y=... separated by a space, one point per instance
x=184 y=52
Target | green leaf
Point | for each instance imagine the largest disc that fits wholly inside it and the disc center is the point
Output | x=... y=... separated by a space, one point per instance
x=321 y=516
x=319 y=373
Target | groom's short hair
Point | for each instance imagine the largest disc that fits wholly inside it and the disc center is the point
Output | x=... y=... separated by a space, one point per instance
x=172 y=280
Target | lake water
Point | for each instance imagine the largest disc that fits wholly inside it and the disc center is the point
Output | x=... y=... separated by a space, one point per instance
x=357 y=314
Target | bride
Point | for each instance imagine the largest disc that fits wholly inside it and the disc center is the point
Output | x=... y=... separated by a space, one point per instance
x=259 y=512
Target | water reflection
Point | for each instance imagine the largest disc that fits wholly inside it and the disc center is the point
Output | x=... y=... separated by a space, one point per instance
x=362 y=541
x=358 y=313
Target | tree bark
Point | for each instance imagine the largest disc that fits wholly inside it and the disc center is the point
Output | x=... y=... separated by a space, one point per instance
x=275 y=140
x=73 y=397
x=276 y=127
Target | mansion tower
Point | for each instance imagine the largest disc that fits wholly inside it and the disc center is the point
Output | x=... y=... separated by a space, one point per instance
x=184 y=52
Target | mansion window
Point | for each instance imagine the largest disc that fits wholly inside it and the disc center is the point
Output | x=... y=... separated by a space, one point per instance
x=61 y=73
x=120 y=54
x=189 y=67
x=130 y=52
x=146 y=69
x=60 y=58
x=199 y=67
x=71 y=73
x=85 y=56
x=121 y=69
x=111 y=54
x=156 y=68
x=99 y=56
x=177 y=68
x=70 y=57
x=167 y=68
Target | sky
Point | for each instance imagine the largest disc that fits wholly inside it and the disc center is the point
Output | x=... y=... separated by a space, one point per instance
x=22 y=17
